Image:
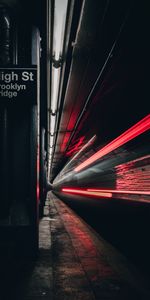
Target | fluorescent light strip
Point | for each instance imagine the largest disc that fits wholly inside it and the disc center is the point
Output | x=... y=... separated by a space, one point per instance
x=86 y=193
x=60 y=12
x=51 y=141
x=53 y=123
x=55 y=86
x=50 y=152
x=127 y=136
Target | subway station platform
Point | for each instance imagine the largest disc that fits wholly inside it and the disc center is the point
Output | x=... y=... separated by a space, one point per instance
x=74 y=263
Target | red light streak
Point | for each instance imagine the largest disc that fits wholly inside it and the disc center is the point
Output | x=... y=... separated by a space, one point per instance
x=75 y=147
x=87 y=193
x=103 y=193
x=137 y=129
x=120 y=191
x=90 y=142
x=65 y=141
x=37 y=191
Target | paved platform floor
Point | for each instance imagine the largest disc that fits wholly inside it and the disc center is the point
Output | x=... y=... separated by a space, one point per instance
x=75 y=263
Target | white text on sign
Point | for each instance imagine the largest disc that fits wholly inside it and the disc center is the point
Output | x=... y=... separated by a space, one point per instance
x=12 y=76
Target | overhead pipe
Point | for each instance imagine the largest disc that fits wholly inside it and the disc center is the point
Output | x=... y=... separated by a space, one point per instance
x=59 y=62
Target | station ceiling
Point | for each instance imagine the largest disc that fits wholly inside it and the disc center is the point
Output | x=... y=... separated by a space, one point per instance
x=103 y=85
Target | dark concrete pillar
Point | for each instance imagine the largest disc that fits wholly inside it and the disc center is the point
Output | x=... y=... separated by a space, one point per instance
x=5 y=58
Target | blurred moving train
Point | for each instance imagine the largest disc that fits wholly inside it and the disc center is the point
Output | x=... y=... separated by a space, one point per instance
x=84 y=123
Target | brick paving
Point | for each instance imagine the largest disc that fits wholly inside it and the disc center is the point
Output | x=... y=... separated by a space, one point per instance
x=75 y=263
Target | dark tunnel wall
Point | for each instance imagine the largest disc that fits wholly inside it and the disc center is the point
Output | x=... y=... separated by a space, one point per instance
x=118 y=102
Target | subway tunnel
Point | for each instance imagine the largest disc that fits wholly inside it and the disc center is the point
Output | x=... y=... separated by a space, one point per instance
x=75 y=149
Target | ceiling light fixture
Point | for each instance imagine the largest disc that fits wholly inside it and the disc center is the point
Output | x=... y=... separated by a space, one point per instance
x=60 y=13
